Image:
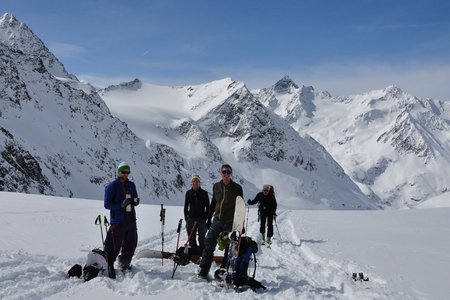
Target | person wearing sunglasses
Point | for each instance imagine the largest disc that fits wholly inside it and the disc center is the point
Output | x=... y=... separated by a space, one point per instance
x=222 y=206
x=266 y=212
x=120 y=199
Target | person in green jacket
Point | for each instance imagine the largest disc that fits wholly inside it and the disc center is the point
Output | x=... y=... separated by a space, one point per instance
x=223 y=203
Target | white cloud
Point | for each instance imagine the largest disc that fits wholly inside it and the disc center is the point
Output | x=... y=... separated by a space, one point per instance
x=65 y=49
x=421 y=80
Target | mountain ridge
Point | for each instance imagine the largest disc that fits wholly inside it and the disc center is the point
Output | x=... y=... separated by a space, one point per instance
x=376 y=136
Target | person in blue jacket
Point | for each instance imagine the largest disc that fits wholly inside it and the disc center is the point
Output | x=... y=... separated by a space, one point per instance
x=120 y=199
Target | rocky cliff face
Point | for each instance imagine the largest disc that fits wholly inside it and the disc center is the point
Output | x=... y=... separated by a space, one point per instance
x=58 y=139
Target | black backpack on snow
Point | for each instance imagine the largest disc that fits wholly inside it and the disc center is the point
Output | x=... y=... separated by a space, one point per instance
x=239 y=263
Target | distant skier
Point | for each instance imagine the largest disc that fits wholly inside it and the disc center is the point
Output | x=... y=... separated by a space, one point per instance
x=120 y=198
x=222 y=206
x=267 y=211
x=196 y=209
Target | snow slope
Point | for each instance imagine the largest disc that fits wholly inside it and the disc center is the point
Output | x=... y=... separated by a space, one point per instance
x=405 y=254
x=394 y=145
x=221 y=121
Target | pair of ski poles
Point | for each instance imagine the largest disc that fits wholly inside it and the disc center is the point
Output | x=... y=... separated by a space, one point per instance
x=274 y=217
x=98 y=221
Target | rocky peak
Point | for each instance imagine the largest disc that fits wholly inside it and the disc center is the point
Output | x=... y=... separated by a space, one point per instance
x=8 y=20
x=18 y=37
x=393 y=92
x=284 y=85
x=133 y=85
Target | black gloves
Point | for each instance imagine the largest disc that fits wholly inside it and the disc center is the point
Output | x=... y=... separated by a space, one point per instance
x=132 y=201
x=248 y=201
x=126 y=202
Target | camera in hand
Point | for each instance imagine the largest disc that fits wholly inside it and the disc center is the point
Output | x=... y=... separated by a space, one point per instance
x=128 y=207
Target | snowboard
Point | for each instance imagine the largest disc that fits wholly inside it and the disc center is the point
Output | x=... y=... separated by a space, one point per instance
x=239 y=215
x=150 y=253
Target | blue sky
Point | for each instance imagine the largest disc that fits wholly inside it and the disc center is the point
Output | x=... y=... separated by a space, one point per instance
x=344 y=47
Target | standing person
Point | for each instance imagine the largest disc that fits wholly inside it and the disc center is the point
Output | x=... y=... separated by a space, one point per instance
x=120 y=198
x=196 y=209
x=267 y=211
x=223 y=203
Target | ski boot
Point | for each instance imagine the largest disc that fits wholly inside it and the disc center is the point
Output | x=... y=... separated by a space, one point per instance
x=111 y=271
x=124 y=264
x=203 y=273
x=263 y=239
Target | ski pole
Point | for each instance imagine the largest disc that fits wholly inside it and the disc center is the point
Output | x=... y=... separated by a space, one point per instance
x=183 y=259
x=106 y=223
x=176 y=248
x=186 y=246
x=276 y=225
x=162 y=214
x=98 y=221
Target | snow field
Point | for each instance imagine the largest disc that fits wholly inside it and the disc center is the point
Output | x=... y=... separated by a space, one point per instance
x=314 y=259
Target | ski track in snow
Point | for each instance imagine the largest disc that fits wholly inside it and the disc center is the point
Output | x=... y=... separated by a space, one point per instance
x=305 y=275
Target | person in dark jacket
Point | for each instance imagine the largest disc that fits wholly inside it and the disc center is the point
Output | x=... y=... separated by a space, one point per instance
x=196 y=210
x=222 y=207
x=120 y=198
x=267 y=211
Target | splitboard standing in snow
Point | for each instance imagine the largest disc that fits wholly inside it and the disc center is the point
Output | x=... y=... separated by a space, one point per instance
x=121 y=198
x=223 y=204
x=239 y=252
x=266 y=212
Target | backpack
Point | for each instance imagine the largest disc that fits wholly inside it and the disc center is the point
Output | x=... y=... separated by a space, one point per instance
x=242 y=260
x=96 y=263
x=239 y=263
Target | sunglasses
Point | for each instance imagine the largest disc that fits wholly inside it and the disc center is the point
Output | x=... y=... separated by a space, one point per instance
x=227 y=172
x=265 y=190
x=125 y=172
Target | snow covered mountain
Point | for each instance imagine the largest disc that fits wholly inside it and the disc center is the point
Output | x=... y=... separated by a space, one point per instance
x=223 y=121
x=394 y=145
x=58 y=137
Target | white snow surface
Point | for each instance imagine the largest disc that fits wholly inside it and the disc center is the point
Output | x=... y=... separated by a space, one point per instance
x=405 y=254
